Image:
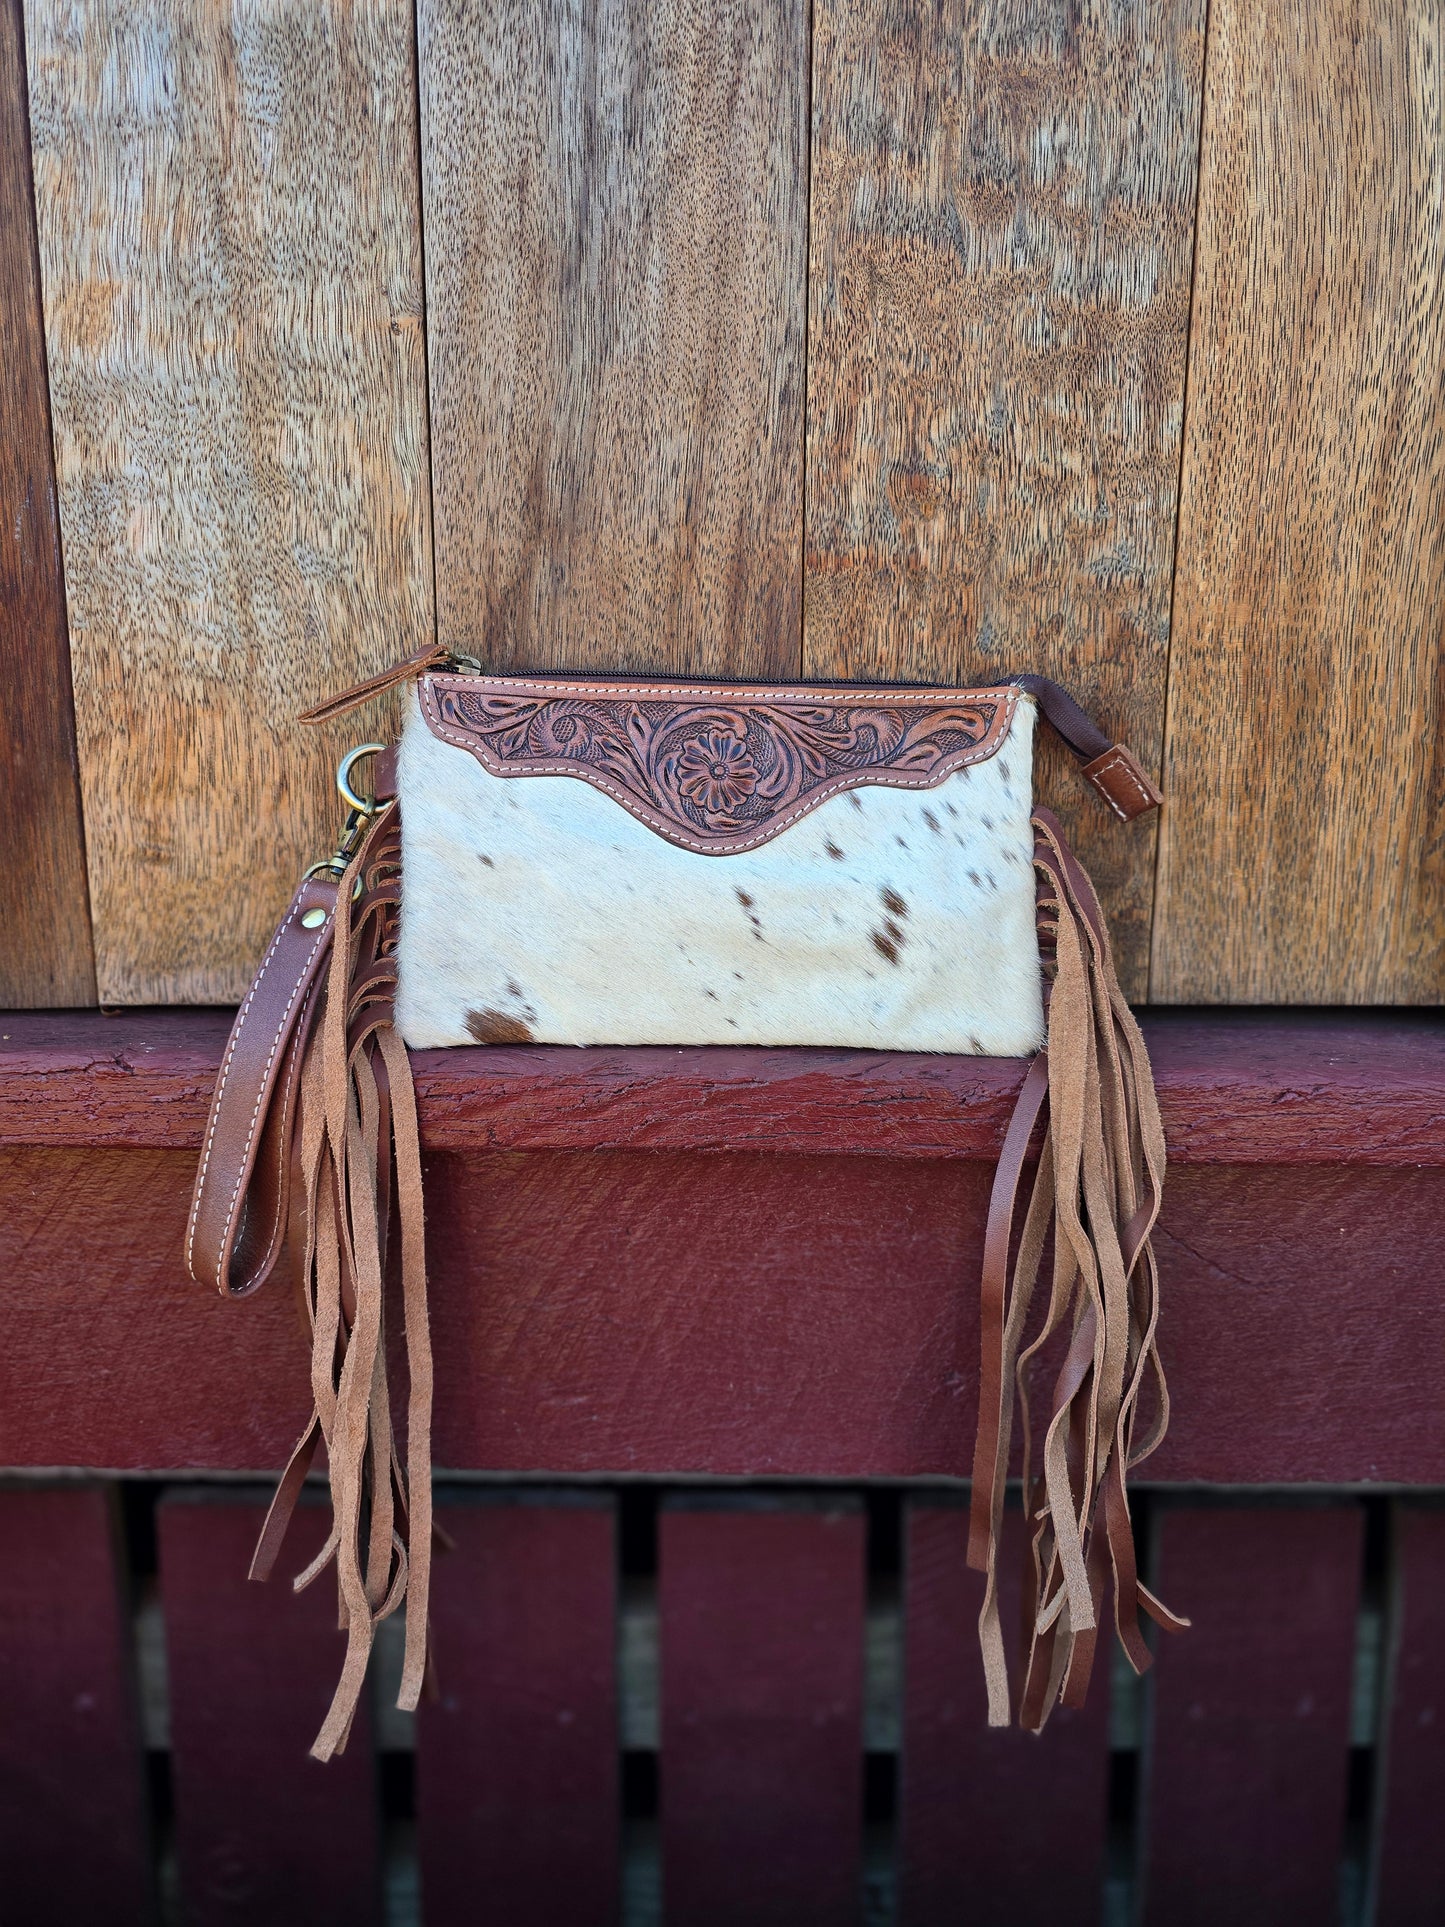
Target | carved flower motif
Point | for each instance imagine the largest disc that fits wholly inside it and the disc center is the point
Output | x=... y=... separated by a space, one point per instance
x=716 y=773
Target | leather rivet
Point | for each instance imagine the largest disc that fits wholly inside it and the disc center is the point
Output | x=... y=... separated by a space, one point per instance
x=313 y=919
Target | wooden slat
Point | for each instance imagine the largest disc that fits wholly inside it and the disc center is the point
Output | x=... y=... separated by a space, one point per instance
x=1247 y=1087
x=616 y=222
x=992 y=1825
x=262 y=1831
x=517 y=1763
x=229 y=242
x=45 y=955
x=1409 y=1847
x=1002 y=222
x=74 y=1831
x=1300 y=858
x=1245 y=1799
x=761 y=1611
x=733 y=1314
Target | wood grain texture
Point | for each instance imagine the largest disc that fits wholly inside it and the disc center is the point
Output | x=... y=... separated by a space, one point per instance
x=262 y=1831
x=228 y=216
x=993 y=1826
x=1409 y=1849
x=518 y=1798
x=760 y=1614
x=616 y=221
x=1245 y=1808
x=45 y=954
x=74 y=1827
x=1301 y=849
x=1329 y=1088
x=1002 y=223
x=752 y=1315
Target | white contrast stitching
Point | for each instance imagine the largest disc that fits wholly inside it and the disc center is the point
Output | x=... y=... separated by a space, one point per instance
x=856 y=693
x=1115 y=763
x=221 y=1087
x=260 y=1094
x=879 y=778
x=281 y=1147
x=236 y=1028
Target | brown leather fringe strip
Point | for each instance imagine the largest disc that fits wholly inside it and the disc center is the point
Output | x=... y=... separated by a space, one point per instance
x=1097 y=1183
x=357 y=1153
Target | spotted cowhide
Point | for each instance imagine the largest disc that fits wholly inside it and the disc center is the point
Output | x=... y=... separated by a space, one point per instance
x=849 y=873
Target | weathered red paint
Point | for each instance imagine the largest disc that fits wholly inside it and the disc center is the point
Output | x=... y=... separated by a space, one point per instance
x=761 y=1615
x=1274 y=1087
x=518 y=1812
x=992 y=1825
x=1410 y=1843
x=1251 y=1715
x=262 y=1831
x=736 y=1314
x=74 y=1831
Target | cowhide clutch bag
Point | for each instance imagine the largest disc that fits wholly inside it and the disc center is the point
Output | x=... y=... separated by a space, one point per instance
x=594 y=860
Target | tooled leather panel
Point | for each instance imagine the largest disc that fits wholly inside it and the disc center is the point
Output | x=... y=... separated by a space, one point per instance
x=716 y=768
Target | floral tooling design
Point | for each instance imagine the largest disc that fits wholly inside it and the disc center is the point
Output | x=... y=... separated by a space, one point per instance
x=716 y=775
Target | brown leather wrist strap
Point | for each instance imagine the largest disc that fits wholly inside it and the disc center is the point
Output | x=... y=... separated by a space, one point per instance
x=238 y=1212
x=239 y=1208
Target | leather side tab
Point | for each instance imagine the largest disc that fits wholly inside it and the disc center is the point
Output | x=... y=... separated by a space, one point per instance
x=1121 y=779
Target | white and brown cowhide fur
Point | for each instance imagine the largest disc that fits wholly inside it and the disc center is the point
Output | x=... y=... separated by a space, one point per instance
x=539 y=909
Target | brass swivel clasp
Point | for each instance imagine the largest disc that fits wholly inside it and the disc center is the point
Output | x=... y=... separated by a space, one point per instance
x=359 y=812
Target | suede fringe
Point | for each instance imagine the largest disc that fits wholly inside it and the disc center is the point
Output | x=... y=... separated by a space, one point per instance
x=1097 y=1185
x=358 y=1164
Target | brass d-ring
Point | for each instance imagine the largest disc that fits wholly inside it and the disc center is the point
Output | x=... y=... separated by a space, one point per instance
x=343 y=777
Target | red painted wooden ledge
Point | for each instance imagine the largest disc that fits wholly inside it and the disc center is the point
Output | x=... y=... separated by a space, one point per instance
x=1272 y=1087
x=678 y=1262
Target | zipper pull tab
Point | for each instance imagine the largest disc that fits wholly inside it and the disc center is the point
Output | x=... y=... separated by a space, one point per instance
x=432 y=656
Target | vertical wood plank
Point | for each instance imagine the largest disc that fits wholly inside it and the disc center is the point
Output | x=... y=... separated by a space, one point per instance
x=1409 y=1846
x=517 y=1765
x=228 y=217
x=1245 y=1800
x=992 y=1825
x=1002 y=224
x=761 y=1622
x=1301 y=852
x=45 y=955
x=74 y=1832
x=262 y=1831
x=616 y=222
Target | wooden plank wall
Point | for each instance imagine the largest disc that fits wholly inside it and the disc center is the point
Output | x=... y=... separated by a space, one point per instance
x=1304 y=858
x=616 y=216
x=842 y=338
x=231 y=259
x=45 y=954
x=1003 y=212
